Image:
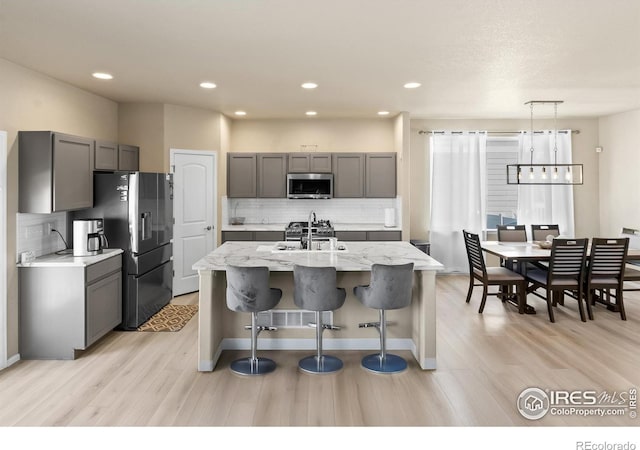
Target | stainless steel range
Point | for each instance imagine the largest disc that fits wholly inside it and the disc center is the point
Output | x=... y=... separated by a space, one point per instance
x=298 y=231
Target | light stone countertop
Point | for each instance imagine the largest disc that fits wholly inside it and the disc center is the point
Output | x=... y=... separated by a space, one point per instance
x=359 y=257
x=336 y=226
x=54 y=260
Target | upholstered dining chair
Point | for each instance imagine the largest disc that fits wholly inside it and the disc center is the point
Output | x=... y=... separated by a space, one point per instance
x=605 y=273
x=490 y=276
x=566 y=272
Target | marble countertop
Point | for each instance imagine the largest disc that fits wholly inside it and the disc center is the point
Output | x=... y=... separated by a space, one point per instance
x=54 y=260
x=336 y=226
x=359 y=257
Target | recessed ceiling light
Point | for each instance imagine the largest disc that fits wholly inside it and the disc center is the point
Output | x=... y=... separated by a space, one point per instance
x=383 y=113
x=311 y=113
x=240 y=113
x=102 y=75
x=309 y=85
x=207 y=85
x=412 y=85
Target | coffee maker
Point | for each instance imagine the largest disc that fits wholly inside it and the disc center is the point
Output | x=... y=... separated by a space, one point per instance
x=88 y=237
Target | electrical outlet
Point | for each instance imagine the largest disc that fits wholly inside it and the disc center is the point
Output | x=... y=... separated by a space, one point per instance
x=48 y=228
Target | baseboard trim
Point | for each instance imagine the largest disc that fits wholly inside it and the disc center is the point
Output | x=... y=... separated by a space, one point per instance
x=12 y=360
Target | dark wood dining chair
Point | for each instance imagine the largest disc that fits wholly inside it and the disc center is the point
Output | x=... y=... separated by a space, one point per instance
x=512 y=233
x=490 y=276
x=540 y=232
x=566 y=273
x=605 y=273
x=632 y=268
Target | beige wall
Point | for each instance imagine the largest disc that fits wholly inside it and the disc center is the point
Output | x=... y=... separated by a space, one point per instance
x=586 y=209
x=619 y=172
x=330 y=135
x=31 y=101
x=142 y=124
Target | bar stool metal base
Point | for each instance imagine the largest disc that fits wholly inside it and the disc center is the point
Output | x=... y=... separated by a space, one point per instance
x=325 y=364
x=389 y=364
x=250 y=366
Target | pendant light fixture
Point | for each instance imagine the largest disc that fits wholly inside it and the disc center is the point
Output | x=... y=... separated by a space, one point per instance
x=552 y=173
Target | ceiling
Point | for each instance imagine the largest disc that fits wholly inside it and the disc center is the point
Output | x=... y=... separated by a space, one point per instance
x=475 y=59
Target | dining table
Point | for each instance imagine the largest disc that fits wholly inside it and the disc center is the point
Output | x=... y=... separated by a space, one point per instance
x=519 y=254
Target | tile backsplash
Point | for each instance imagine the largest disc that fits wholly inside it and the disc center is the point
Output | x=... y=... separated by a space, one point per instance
x=33 y=233
x=337 y=210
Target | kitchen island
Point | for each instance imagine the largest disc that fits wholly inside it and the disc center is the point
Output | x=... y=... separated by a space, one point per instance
x=413 y=328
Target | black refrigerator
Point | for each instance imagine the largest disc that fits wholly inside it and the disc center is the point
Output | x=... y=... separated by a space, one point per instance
x=137 y=208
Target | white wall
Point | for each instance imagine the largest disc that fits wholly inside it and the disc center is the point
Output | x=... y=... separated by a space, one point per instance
x=619 y=172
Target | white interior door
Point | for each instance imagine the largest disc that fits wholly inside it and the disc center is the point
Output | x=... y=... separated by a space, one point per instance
x=194 y=211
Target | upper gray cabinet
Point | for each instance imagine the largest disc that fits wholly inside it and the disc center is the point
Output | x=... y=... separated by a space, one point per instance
x=348 y=175
x=310 y=162
x=272 y=175
x=106 y=156
x=128 y=157
x=110 y=156
x=241 y=175
x=55 y=172
x=380 y=175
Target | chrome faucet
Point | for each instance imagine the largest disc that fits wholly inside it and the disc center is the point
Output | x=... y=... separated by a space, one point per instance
x=309 y=235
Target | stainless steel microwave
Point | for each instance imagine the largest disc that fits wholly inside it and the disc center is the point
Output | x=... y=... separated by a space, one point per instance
x=310 y=185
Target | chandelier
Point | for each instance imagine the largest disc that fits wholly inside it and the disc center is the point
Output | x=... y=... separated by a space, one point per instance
x=552 y=173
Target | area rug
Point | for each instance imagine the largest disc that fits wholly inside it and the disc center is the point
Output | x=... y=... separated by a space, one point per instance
x=170 y=318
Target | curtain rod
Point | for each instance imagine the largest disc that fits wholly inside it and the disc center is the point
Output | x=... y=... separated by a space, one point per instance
x=494 y=132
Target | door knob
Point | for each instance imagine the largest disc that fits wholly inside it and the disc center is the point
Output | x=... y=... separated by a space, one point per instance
x=208 y=228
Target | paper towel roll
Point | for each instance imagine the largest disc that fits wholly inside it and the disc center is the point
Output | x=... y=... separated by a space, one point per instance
x=389 y=217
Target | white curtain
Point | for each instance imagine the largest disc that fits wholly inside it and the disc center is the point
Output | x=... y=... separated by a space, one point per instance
x=546 y=204
x=458 y=167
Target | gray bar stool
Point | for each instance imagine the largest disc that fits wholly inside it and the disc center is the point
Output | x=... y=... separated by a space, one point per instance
x=248 y=291
x=390 y=288
x=315 y=290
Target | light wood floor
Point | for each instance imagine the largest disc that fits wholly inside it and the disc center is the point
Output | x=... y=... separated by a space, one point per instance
x=484 y=362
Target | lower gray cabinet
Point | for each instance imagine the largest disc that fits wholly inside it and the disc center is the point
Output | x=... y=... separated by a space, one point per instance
x=369 y=235
x=272 y=236
x=68 y=308
x=351 y=235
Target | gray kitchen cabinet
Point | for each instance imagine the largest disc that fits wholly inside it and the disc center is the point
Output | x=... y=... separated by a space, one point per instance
x=310 y=163
x=128 y=157
x=272 y=175
x=68 y=308
x=106 y=156
x=271 y=236
x=351 y=235
x=369 y=235
x=348 y=175
x=241 y=175
x=380 y=175
x=55 y=172
x=237 y=236
x=384 y=235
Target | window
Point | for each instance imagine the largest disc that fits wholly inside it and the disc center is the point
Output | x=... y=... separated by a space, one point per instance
x=502 y=198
